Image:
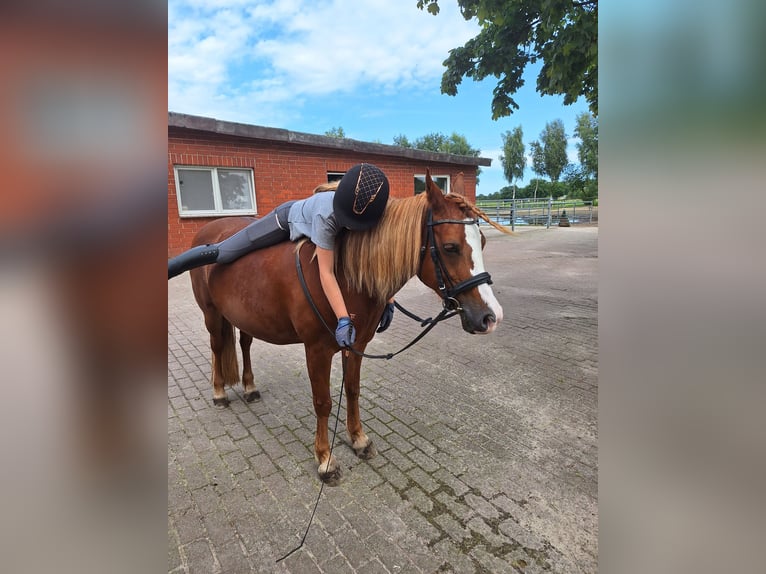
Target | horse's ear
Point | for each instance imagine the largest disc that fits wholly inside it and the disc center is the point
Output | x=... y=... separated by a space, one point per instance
x=434 y=192
x=458 y=184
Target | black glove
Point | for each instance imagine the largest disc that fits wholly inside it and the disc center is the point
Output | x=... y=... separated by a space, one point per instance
x=345 y=334
x=385 y=319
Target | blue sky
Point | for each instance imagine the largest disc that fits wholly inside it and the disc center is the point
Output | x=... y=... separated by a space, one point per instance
x=372 y=67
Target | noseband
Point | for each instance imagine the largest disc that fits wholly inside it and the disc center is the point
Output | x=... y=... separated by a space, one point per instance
x=448 y=289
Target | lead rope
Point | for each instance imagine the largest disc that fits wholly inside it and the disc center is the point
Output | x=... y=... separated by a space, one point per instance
x=344 y=355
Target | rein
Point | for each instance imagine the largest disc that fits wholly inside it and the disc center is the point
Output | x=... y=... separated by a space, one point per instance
x=450 y=304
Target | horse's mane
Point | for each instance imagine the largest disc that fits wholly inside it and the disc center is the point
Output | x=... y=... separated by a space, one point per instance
x=332 y=186
x=380 y=260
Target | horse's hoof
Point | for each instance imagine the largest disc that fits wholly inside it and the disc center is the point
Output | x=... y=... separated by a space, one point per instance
x=332 y=478
x=252 y=396
x=224 y=402
x=367 y=452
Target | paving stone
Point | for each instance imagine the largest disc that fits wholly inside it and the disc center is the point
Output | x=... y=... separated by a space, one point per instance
x=483 y=507
x=492 y=563
x=457 y=561
x=338 y=564
x=232 y=559
x=199 y=557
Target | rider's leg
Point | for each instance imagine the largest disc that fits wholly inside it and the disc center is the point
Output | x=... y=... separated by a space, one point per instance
x=269 y=230
x=194 y=257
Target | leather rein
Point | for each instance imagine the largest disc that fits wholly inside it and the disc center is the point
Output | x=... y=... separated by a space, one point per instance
x=448 y=290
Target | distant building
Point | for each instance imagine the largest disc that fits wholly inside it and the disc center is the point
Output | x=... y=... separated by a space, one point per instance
x=218 y=169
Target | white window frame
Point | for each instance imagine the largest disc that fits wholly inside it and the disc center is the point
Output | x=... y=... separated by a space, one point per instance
x=434 y=177
x=218 y=207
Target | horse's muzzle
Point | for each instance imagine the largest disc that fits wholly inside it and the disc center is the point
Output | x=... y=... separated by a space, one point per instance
x=478 y=323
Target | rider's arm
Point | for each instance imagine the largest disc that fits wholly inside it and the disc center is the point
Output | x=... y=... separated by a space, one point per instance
x=325 y=260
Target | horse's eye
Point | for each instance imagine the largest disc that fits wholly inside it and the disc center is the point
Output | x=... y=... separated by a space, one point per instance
x=451 y=248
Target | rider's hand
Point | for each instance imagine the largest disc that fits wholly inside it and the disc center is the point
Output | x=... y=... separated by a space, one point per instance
x=385 y=319
x=345 y=334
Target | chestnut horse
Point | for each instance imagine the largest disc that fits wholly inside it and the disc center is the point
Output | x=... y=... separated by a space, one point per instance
x=261 y=295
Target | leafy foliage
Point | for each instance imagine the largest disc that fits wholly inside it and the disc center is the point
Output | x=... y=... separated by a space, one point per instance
x=513 y=159
x=338 y=132
x=402 y=141
x=586 y=129
x=573 y=185
x=552 y=149
x=560 y=33
x=455 y=144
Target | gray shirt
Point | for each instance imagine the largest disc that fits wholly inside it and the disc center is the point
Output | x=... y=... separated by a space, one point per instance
x=314 y=218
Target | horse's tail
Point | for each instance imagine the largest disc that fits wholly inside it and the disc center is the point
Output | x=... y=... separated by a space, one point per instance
x=229 y=364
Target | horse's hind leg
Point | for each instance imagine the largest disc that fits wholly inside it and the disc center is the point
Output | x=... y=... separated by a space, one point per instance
x=225 y=370
x=358 y=439
x=248 y=380
x=318 y=362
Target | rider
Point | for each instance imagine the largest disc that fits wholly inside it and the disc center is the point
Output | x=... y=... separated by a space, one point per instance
x=358 y=203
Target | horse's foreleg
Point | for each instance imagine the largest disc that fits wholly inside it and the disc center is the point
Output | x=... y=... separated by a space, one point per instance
x=248 y=380
x=319 y=362
x=357 y=438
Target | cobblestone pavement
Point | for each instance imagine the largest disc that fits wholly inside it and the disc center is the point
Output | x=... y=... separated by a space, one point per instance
x=487 y=445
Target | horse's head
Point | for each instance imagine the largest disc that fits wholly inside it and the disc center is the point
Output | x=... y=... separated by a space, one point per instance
x=452 y=264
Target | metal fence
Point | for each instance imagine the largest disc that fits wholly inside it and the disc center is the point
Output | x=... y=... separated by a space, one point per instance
x=545 y=212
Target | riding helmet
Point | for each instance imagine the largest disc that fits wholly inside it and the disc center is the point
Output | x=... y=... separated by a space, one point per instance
x=361 y=197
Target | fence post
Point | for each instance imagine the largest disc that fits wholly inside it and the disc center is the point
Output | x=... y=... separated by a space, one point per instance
x=513 y=210
x=550 y=206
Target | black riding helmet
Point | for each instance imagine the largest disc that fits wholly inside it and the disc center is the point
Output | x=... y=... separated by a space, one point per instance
x=361 y=197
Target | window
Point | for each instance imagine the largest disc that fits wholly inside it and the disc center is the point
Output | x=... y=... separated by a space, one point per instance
x=335 y=176
x=205 y=191
x=441 y=180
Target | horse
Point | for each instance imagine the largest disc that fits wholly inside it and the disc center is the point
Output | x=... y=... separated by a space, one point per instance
x=261 y=295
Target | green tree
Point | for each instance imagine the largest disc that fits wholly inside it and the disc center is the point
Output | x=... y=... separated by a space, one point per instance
x=575 y=180
x=554 y=149
x=513 y=159
x=586 y=128
x=562 y=34
x=432 y=142
x=336 y=133
x=536 y=187
x=456 y=144
x=402 y=141
x=538 y=164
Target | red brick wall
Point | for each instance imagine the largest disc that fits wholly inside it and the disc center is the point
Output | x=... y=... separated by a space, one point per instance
x=281 y=172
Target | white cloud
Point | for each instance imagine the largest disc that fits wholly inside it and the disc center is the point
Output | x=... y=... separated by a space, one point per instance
x=230 y=53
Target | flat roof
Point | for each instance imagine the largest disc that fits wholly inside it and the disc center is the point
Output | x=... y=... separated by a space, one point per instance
x=212 y=125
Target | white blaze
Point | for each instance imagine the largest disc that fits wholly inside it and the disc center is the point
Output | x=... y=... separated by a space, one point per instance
x=473 y=238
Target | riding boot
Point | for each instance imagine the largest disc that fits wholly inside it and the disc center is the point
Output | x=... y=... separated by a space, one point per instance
x=194 y=257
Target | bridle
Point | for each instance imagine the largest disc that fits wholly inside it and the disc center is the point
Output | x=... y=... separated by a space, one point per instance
x=448 y=289
x=448 y=293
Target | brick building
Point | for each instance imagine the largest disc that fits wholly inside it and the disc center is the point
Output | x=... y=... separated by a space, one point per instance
x=218 y=168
